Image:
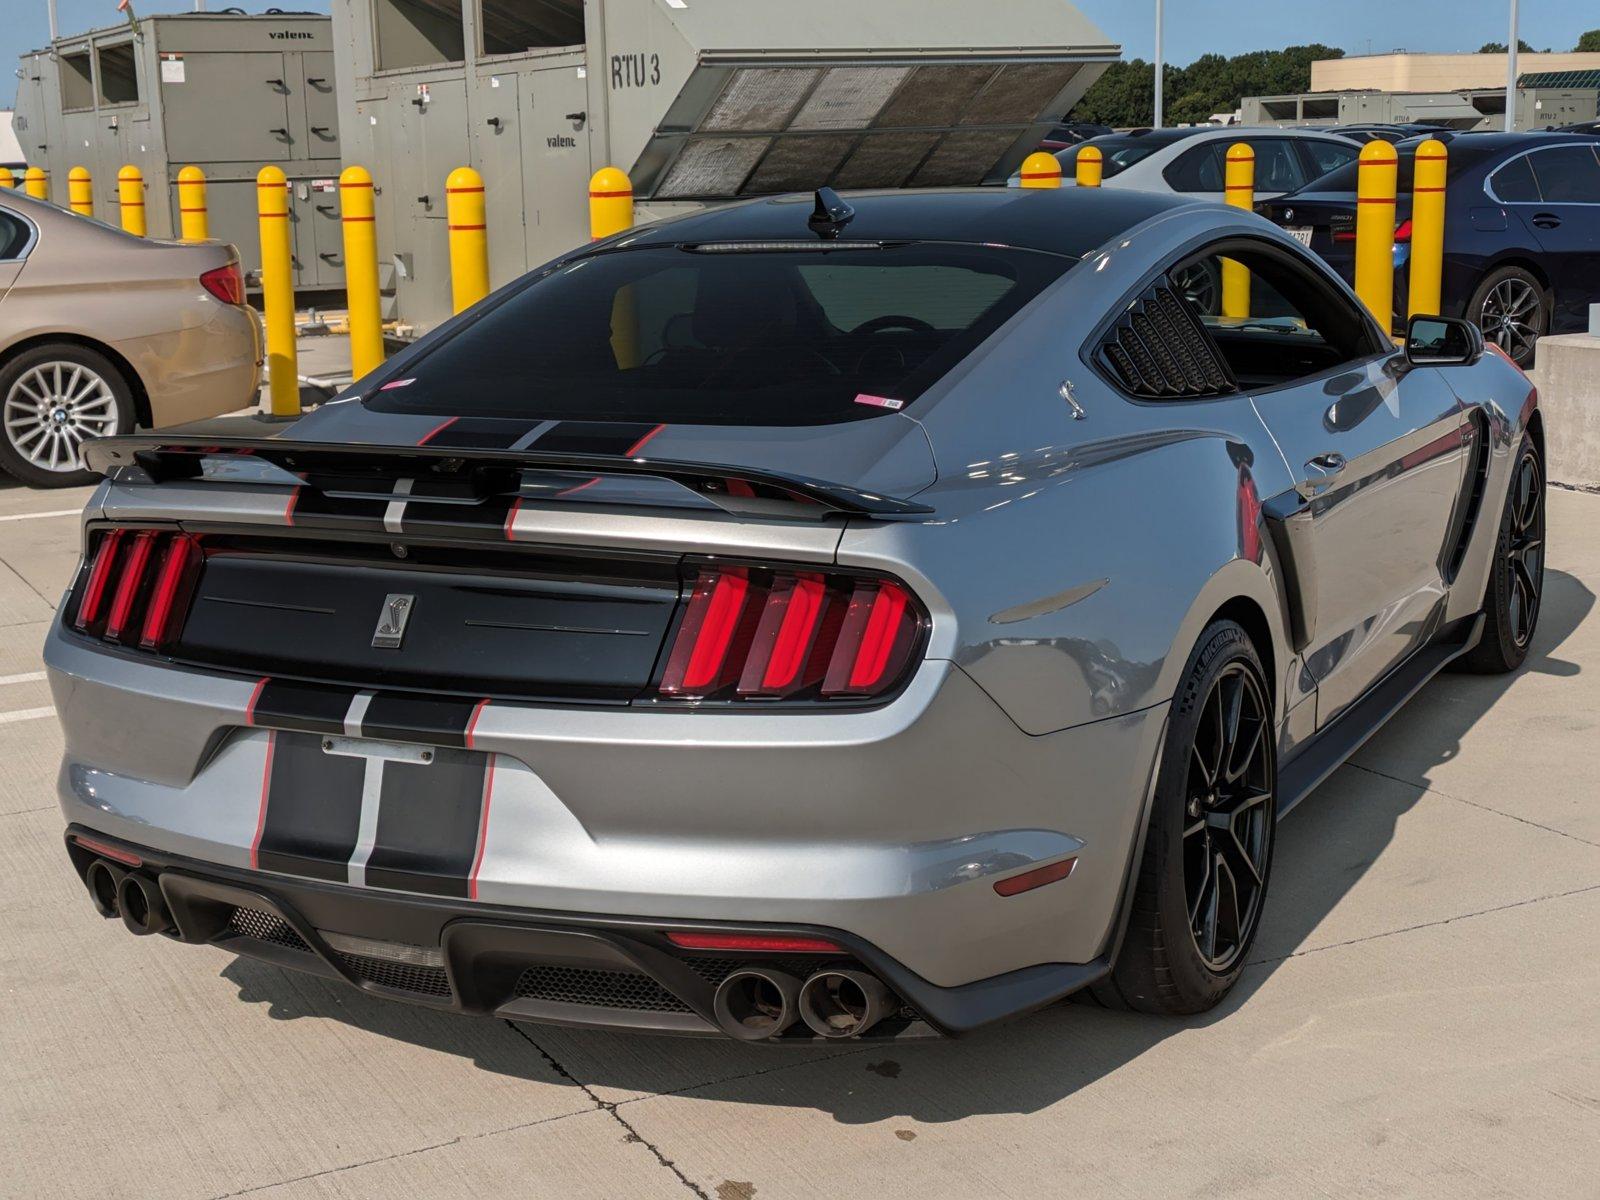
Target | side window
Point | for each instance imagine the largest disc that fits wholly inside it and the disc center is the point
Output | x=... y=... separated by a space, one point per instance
x=1514 y=183
x=1567 y=175
x=13 y=236
x=1297 y=325
x=1323 y=157
x=1199 y=169
x=1277 y=167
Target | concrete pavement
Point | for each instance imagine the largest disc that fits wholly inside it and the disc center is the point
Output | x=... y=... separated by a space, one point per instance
x=1421 y=1016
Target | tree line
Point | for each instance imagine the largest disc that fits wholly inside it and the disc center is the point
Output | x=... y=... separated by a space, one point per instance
x=1124 y=96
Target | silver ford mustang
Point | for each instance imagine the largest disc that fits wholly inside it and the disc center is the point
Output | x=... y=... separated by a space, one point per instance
x=816 y=618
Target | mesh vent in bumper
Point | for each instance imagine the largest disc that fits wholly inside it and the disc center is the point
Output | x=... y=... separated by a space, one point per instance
x=598 y=989
x=264 y=927
x=404 y=977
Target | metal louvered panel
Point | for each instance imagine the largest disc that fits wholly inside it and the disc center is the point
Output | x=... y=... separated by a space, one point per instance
x=1158 y=350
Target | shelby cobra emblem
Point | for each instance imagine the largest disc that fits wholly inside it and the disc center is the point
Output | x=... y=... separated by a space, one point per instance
x=392 y=621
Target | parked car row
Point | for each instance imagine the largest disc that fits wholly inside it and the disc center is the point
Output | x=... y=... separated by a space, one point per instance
x=1522 y=231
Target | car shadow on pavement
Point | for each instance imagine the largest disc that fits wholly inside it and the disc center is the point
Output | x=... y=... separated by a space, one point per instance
x=1323 y=850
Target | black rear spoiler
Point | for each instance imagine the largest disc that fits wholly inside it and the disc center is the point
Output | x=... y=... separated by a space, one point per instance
x=162 y=458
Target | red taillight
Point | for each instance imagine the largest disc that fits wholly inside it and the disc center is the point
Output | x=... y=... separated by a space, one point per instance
x=130 y=583
x=700 y=655
x=225 y=283
x=1402 y=233
x=754 y=633
x=172 y=581
x=94 y=588
x=776 y=944
x=148 y=575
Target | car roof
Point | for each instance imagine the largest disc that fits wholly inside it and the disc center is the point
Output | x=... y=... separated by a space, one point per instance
x=1069 y=221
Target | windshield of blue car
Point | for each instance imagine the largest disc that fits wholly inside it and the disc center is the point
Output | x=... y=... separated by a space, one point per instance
x=728 y=334
x=1463 y=154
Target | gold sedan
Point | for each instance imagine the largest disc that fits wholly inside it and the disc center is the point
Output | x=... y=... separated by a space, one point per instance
x=102 y=332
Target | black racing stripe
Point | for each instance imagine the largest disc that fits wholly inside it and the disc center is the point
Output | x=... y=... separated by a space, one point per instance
x=592 y=437
x=312 y=707
x=428 y=824
x=481 y=433
x=314 y=509
x=313 y=809
x=439 y=721
x=485 y=521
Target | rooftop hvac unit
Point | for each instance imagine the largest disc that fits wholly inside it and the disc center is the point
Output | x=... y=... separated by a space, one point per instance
x=699 y=101
x=224 y=92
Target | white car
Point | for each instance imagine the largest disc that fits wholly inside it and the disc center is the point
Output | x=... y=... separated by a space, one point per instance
x=1191 y=160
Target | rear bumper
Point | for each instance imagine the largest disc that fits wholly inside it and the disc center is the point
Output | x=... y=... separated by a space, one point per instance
x=551 y=968
x=891 y=825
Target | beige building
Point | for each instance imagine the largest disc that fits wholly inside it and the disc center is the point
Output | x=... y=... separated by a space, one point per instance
x=1402 y=72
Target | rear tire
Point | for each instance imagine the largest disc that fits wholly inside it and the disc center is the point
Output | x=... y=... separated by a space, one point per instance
x=1208 y=853
x=1512 y=600
x=1512 y=308
x=53 y=398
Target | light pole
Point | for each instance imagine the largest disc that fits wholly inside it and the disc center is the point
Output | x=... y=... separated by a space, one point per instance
x=1160 y=63
x=1511 y=72
x=54 y=32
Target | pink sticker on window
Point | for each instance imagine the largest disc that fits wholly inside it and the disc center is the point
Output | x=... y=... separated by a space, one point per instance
x=880 y=401
x=397 y=383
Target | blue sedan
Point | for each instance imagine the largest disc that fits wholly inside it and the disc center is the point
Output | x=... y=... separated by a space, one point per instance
x=1522 y=231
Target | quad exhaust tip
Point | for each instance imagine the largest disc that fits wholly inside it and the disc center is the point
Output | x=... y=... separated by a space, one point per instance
x=757 y=1003
x=840 y=1003
x=143 y=910
x=104 y=880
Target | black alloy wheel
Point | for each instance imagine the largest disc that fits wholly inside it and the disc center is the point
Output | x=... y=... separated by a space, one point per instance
x=1515 y=592
x=1511 y=308
x=1207 y=856
x=1227 y=836
x=1524 y=549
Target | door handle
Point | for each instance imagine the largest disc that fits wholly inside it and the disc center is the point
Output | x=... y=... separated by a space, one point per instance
x=1547 y=220
x=1329 y=464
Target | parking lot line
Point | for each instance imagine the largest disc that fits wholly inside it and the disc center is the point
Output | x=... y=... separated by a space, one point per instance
x=26 y=714
x=55 y=512
x=26 y=677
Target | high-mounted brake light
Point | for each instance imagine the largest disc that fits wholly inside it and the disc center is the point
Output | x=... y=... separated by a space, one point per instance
x=225 y=283
x=769 y=633
x=137 y=581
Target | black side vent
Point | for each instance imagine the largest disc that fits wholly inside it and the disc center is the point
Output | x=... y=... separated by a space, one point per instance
x=1477 y=436
x=1158 y=350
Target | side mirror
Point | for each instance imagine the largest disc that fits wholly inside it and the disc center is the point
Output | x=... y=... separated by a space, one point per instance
x=1442 y=342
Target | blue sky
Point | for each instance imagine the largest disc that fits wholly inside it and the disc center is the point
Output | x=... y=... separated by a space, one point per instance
x=1194 y=27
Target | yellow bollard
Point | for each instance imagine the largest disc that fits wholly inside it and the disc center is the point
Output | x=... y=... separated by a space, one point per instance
x=1041 y=170
x=1090 y=166
x=277 y=291
x=356 y=213
x=194 y=223
x=7 y=179
x=36 y=183
x=1375 y=191
x=80 y=191
x=1427 y=229
x=469 y=237
x=130 y=199
x=610 y=203
x=1239 y=190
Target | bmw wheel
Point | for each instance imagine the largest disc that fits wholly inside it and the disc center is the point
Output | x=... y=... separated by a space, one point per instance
x=1516 y=579
x=1208 y=853
x=53 y=399
x=1513 y=310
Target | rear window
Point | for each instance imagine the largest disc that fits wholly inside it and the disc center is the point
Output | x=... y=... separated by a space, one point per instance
x=1118 y=152
x=698 y=336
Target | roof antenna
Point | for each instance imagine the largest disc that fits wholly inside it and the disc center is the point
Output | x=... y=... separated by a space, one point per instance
x=831 y=214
